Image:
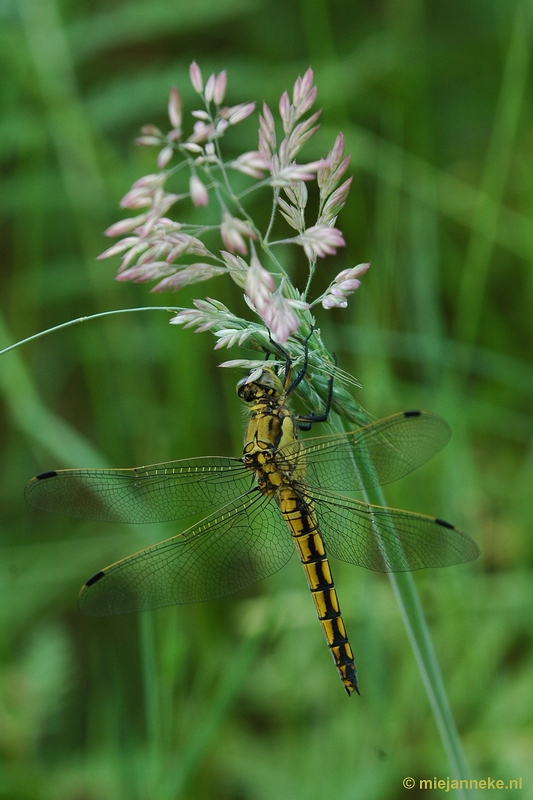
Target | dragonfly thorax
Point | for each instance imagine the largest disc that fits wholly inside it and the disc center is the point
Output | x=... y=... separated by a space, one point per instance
x=270 y=427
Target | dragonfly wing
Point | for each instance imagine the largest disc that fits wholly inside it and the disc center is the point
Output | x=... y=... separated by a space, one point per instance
x=245 y=541
x=375 y=455
x=157 y=493
x=386 y=539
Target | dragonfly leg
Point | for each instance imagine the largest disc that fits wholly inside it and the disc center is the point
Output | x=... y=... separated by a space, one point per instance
x=288 y=386
x=288 y=361
x=305 y=421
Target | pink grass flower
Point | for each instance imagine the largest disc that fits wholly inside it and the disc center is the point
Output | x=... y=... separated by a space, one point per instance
x=206 y=315
x=285 y=112
x=302 y=87
x=236 y=114
x=209 y=92
x=151 y=130
x=301 y=134
x=267 y=133
x=148 y=141
x=118 y=247
x=220 y=87
x=124 y=226
x=259 y=285
x=141 y=273
x=336 y=152
x=227 y=337
x=193 y=273
x=174 y=108
x=191 y=317
x=137 y=198
x=161 y=202
x=334 y=167
x=321 y=241
x=143 y=191
x=202 y=132
x=164 y=156
x=335 y=203
x=292 y=214
x=304 y=93
x=233 y=231
x=237 y=268
x=279 y=315
x=254 y=163
x=344 y=285
x=286 y=176
x=196 y=78
x=221 y=127
x=199 y=194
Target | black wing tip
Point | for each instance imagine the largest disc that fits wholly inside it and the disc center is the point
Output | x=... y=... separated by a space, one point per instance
x=473 y=552
x=445 y=524
x=45 y=475
x=95 y=578
x=412 y=413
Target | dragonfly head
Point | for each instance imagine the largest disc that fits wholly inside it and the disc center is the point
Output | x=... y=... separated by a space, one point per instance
x=260 y=383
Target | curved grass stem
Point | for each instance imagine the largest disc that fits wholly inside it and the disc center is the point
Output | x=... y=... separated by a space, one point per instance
x=168 y=309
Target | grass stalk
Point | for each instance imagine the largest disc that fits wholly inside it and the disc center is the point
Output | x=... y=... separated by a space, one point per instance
x=168 y=309
x=420 y=638
x=408 y=600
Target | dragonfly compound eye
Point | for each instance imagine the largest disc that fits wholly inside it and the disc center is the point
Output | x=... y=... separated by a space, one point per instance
x=260 y=383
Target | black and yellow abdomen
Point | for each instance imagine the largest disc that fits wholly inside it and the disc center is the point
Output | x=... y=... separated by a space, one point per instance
x=303 y=525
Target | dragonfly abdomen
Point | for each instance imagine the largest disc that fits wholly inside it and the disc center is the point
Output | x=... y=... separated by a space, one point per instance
x=305 y=532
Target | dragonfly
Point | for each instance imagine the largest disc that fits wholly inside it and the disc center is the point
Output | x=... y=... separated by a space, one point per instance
x=282 y=495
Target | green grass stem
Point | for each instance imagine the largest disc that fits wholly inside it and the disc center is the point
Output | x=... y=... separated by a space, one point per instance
x=408 y=600
x=53 y=329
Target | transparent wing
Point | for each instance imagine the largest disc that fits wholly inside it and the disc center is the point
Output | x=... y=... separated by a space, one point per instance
x=375 y=455
x=241 y=544
x=157 y=493
x=386 y=539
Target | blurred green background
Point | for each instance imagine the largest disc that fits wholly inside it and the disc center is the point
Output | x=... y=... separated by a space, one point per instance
x=239 y=698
